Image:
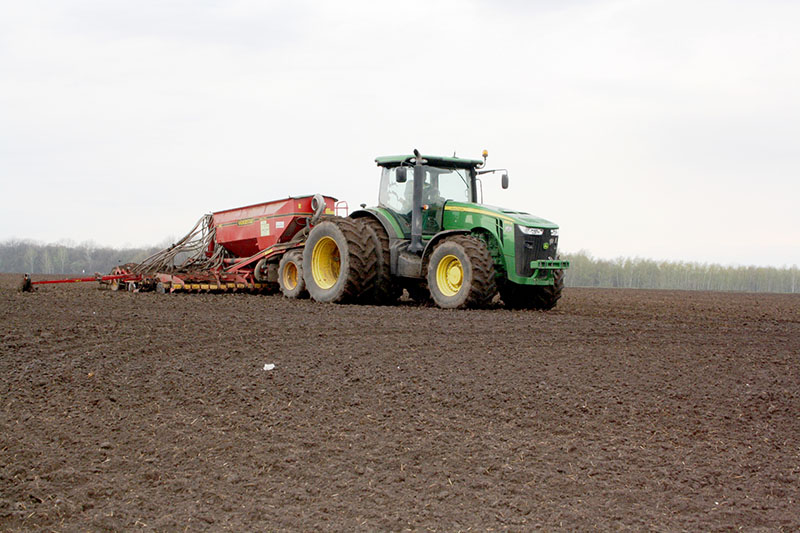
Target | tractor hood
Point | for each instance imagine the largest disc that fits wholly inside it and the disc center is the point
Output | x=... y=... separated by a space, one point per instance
x=507 y=215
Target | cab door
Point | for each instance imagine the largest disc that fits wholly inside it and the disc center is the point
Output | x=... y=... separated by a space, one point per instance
x=432 y=205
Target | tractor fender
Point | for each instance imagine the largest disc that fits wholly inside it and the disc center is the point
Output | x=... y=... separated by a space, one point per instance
x=484 y=235
x=380 y=217
x=436 y=239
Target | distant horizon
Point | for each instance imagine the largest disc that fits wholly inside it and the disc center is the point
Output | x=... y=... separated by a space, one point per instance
x=165 y=243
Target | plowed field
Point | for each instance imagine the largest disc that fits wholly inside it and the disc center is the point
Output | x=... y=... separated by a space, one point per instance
x=638 y=410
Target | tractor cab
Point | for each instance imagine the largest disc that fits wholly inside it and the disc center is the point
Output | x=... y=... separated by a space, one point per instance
x=442 y=179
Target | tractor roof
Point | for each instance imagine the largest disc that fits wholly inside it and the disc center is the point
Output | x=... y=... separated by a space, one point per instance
x=433 y=160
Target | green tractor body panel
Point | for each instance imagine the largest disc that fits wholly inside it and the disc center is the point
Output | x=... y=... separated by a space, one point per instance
x=525 y=259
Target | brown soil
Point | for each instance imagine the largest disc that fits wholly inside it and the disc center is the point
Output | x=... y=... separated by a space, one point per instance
x=640 y=410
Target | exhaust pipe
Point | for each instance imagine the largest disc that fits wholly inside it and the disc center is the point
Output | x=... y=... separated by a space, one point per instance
x=415 y=246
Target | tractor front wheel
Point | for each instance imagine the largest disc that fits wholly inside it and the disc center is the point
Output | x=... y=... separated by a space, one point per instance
x=340 y=262
x=290 y=275
x=461 y=273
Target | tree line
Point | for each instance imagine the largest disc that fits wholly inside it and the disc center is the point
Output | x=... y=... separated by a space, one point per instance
x=585 y=271
x=66 y=258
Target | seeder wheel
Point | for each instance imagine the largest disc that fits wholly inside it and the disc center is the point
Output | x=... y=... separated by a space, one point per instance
x=290 y=275
x=120 y=270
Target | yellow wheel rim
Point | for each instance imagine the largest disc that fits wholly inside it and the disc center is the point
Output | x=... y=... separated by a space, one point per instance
x=449 y=275
x=325 y=263
x=290 y=276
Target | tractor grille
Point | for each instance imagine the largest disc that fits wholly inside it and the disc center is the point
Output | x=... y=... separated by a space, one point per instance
x=529 y=248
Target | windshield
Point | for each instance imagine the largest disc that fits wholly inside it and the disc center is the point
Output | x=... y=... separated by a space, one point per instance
x=440 y=185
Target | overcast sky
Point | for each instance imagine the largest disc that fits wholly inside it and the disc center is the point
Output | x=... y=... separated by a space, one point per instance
x=654 y=129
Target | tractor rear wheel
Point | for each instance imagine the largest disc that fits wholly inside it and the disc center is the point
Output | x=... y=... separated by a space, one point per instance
x=461 y=273
x=386 y=291
x=290 y=275
x=541 y=297
x=340 y=262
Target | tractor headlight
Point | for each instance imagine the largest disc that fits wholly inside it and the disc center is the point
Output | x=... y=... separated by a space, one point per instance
x=531 y=231
x=554 y=232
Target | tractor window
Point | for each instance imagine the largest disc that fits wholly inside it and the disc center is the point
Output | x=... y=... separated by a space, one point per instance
x=396 y=196
x=439 y=185
x=452 y=183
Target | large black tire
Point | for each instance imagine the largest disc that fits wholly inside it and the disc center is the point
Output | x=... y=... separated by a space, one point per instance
x=260 y=271
x=290 y=275
x=340 y=262
x=386 y=291
x=541 y=297
x=461 y=273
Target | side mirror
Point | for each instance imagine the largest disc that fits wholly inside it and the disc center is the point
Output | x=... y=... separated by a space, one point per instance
x=504 y=181
x=401 y=175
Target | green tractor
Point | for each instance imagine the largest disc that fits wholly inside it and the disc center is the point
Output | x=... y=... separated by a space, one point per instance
x=431 y=236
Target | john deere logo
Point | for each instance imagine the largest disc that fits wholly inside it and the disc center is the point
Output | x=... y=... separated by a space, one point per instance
x=546 y=245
